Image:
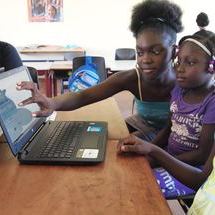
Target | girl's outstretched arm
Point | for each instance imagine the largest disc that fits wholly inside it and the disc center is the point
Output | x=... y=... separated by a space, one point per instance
x=71 y=101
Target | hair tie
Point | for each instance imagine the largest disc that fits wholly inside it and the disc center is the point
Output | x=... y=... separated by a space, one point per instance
x=158 y=20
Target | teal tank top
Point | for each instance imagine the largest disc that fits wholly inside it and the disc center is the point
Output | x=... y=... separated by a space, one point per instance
x=155 y=114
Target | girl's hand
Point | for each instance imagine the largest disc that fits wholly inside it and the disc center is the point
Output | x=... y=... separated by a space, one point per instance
x=134 y=144
x=37 y=97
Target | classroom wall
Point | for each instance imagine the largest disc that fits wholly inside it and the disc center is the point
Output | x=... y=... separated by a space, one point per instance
x=99 y=26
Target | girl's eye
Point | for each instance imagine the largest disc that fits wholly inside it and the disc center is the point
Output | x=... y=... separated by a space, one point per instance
x=139 y=53
x=190 y=63
x=151 y=51
x=156 y=51
x=185 y=63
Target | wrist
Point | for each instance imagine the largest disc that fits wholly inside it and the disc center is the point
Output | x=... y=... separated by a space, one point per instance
x=51 y=104
x=154 y=150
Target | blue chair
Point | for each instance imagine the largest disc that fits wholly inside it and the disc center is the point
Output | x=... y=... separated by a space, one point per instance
x=98 y=61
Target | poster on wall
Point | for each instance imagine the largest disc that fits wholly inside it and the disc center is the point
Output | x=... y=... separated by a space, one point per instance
x=45 y=10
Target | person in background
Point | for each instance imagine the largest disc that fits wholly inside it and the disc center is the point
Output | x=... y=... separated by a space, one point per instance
x=155 y=25
x=202 y=21
x=189 y=136
x=9 y=57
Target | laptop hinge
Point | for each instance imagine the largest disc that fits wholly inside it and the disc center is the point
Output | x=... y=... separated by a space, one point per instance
x=25 y=149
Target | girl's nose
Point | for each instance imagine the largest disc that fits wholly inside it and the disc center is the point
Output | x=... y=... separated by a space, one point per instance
x=179 y=67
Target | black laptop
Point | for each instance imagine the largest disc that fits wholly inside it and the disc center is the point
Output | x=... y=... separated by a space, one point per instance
x=38 y=141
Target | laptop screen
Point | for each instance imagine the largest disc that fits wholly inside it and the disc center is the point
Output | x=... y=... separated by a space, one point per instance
x=17 y=122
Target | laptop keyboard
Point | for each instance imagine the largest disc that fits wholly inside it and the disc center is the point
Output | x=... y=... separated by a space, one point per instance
x=63 y=140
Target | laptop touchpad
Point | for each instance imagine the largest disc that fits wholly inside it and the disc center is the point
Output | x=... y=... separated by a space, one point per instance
x=90 y=142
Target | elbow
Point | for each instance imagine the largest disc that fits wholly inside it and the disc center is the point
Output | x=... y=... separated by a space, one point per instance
x=203 y=156
x=199 y=180
x=196 y=186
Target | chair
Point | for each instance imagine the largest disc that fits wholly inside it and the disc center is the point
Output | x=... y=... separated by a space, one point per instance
x=125 y=54
x=80 y=61
x=71 y=55
x=98 y=61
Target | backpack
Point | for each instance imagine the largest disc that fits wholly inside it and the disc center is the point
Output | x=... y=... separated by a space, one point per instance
x=84 y=77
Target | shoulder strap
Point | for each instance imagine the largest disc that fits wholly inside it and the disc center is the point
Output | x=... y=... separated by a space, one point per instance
x=139 y=83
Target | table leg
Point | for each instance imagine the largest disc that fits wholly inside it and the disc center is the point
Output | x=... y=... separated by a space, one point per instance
x=52 y=84
x=48 y=82
x=55 y=86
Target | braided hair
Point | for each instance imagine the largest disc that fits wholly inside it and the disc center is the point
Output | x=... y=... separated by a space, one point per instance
x=161 y=15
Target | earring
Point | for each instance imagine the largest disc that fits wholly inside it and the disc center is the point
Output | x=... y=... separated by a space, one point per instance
x=211 y=67
x=175 y=55
x=174 y=62
x=137 y=66
x=175 y=51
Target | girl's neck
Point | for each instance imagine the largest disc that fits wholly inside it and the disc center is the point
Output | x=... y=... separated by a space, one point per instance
x=208 y=86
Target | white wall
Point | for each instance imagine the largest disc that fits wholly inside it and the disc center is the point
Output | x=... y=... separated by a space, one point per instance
x=99 y=26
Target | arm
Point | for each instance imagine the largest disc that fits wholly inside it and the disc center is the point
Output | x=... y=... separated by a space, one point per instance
x=107 y=88
x=70 y=101
x=199 y=156
x=180 y=170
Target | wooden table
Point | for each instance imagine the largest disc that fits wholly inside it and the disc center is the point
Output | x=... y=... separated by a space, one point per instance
x=48 y=52
x=49 y=49
x=119 y=185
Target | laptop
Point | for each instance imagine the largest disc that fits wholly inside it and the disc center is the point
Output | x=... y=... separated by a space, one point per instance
x=35 y=140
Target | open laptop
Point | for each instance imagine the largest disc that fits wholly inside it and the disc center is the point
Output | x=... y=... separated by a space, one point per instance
x=37 y=141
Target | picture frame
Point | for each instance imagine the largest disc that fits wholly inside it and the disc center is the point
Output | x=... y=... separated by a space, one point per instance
x=45 y=10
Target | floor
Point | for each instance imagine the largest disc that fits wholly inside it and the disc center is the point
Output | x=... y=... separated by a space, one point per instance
x=125 y=101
